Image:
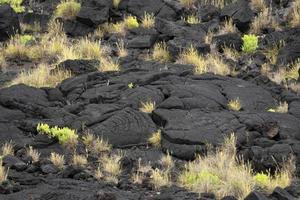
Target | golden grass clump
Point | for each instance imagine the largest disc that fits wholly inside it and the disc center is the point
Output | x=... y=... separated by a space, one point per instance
x=41 y=77
x=2 y=60
x=231 y=53
x=228 y=27
x=167 y=161
x=155 y=139
x=57 y=160
x=95 y=144
x=160 y=52
x=282 y=108
x=141 y=172
x=79 y=160
x=192 y=19
x=262 y=20
x=272 y=52
x=88 y=49
x=295 y=14
x=3 y=173
x=160 y=178
x=108 y=64
x=67 y=9
x=219 y=172
x=33 y=153
x=281 y=178
x=217 y=3
x=122 y=52
x=111 y=166
x=16 y=48
x=293 y=72
x=148 y=20
x=147 y=107
x=7 y=149
x=211 y=63
x=116 y=3
x=187 y=3
x=258 y=5
x=235 y=104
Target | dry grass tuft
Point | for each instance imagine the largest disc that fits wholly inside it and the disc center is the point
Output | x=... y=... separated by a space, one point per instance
x=141 y=172
x=79 y=160
x=167 y=161
x=108 y=64
x=211 y=63
x=160 y=52
x=263 y=20
x=295 y=14
x=187 y=3
x=258 y=5
x=41 y=77
x=229 y=27
x=67 y=9
x=33 y=153
x=148 y=107
x=217 y=3
x=111 y=166
x=116 y=3
x=98 y=174
x=7 y=149
x=57 y=160
x=95 y=144
x=192 y=19
x=3 y=173
x=122 y=52
x=272 y=52
x=148 y=20
x=88 y=49
x=293 y=72
x=160 y=178
x=235 y=104
x=155 y=139
x=282 y=108
x=231 y=53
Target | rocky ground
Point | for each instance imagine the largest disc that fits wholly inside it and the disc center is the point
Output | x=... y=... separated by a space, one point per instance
x=191 y=110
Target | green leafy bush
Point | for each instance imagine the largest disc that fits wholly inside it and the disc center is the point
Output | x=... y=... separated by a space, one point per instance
x=131 y=22
x=64 y=135
x=25 y=39
x=250 y=43
x=15 y=4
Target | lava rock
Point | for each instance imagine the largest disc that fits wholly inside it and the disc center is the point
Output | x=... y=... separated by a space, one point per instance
x=241 y=14
x=49 y=169
x=255 y=195
x=76 y=28
x=281 y=194
x=78 y=67
x=14 y=163
x=231 y=40
x=289 y=53
x=9 y=22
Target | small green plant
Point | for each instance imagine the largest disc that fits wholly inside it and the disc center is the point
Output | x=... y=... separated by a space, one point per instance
x=250 y=43
x=15 y=4
x=262 y=179
x=130 y=85
x=25 y=39
x=235 y=104
x=65 y=135
x=68 y=9
x=131 y=22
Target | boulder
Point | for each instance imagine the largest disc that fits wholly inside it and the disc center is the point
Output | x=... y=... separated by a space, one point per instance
x=78 y=67
x=289 y=54
x=256 y=195
x=9 y=22
x=231 y=40
x=240 y=12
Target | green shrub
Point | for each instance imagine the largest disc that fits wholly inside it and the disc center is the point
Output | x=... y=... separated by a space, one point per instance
x=64 y=135
x=250 y=43
x=15 y=4
x=25 y=39
x=262 y=179
x=131 y=22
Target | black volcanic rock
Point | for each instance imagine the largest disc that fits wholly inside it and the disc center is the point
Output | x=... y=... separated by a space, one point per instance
x=240 y=12
x=9 y=22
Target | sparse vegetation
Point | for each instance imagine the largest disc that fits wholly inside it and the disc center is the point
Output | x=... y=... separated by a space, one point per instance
x=33 y=153
x=187 y=3
x=67 y=9
x=262 y=20
x=15 y=4
x=95 y=144
x=111 y=166
x=258 y=5
x=7 y=149
x=211 y=63
x=131 y=22
x=282 y=108
x=3 y=173
x=79 y=160
x=235 y=104
x=116 y=3
x=148 y=20
x=228 y=27
x=160 y=178
x=217 y=3
x=250 y=43
x=160 y=52
x=295 y=14
x=66 y=136
x=167 y=161
x=42 y=76
x=155 y=139
x=192 y=19
x=108 y=64
x=57 y=160
x=122 y=52
x=147 y=107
